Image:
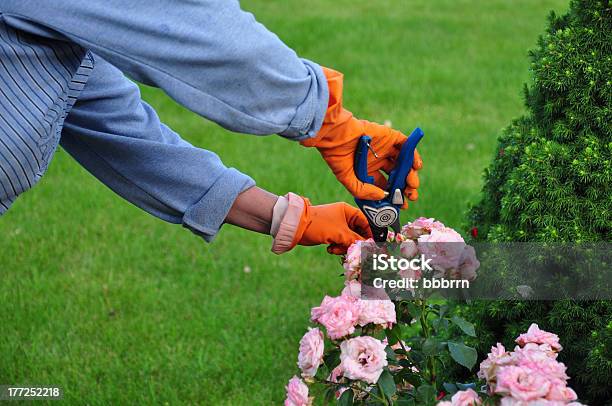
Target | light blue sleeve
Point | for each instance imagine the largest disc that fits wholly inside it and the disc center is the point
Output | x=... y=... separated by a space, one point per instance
x=120 y=140
x=209 y=55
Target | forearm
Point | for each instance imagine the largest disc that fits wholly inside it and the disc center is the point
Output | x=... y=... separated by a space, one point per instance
x=253 y=210
x=282 y=217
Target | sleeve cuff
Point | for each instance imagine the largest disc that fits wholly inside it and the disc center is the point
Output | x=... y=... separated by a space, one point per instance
x=309 y=116
x=206 y=217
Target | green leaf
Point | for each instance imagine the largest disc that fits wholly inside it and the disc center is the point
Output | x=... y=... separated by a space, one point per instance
x=405 y=402
x=330 y=395
x=332 y=358
x=410 y=377
x=391 y=357
x=346 y=399
x=387 y=384
x=374 y=393
x=414 y=311
x=463 y=354
x=465 y=386
x=426 y=395
x=430 y=346
x=416 y=357
x=405 y=363
x=440 y=325
x=450 y=388
x=394 y=334
x=464 y=325
x=443 y=310
x=400 y=351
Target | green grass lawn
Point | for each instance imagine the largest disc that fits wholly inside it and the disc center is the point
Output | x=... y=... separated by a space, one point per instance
x=117 y=307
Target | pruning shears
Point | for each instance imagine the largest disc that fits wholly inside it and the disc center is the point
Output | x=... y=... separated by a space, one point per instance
x=382 y=214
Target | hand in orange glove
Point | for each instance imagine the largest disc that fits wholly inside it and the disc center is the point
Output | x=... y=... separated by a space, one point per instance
x=297 y=222
x=337 y=141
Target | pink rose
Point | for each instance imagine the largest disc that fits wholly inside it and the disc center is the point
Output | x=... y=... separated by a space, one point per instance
x=421 y=226
x=496 y=358
x=338 y=314
x=508 y=401
x=311 y=352
x=352 y=259
x=444 y=247
x=352 y=288
x=537 y=336
x=465 y=398
x=559 y=391
x=297 y=393
x=444 y=403
x=521 y=383
x=545 y=348
x=408 y=249
x=468 y=263
x=409 y=273
x=363 y=358
x=336 y=374
x=393 y=237
x=381 y=312
x=537 y=361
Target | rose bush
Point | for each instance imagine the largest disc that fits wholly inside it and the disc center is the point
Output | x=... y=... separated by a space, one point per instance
x=383 y=352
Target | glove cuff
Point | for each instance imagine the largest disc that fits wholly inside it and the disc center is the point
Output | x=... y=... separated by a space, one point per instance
x=335 y=113
x=335 y=82
x=288 y=214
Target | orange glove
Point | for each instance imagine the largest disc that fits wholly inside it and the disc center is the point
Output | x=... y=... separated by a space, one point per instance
x=337 y=224
x=337 y=141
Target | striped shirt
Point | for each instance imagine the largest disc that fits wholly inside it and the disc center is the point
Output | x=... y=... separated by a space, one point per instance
x=39 y=83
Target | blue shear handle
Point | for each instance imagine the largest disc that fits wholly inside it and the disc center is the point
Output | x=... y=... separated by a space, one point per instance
x=397 y=177
x=361 y=160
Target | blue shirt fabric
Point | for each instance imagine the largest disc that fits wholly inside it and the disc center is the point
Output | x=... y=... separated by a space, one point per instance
x=62 y=66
